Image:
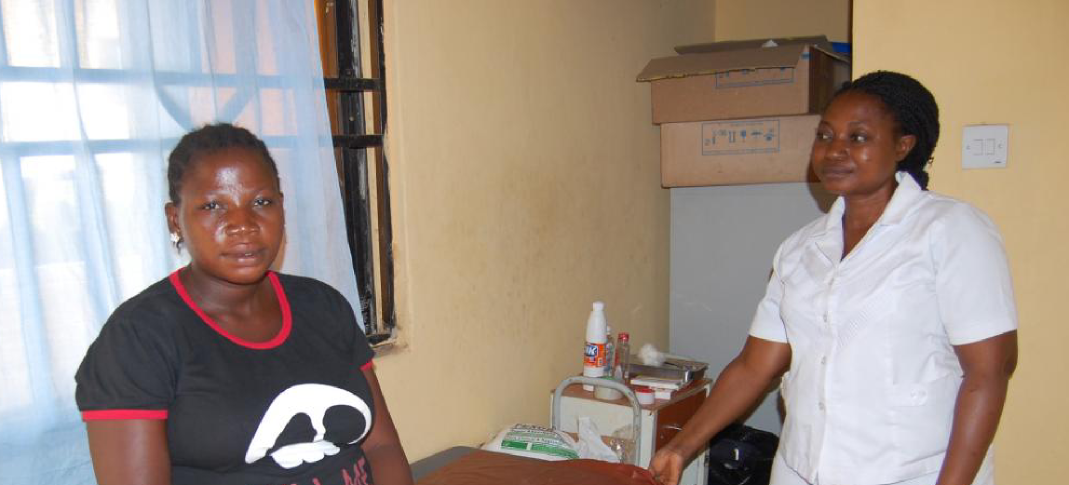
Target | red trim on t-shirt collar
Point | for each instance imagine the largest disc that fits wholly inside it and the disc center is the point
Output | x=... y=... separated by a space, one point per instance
x=124 y=414
x=369 y=365
x=283 y=305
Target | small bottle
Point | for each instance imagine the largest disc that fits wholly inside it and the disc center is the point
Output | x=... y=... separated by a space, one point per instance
x=623 y=358
x=594 y=354
x=610 y=352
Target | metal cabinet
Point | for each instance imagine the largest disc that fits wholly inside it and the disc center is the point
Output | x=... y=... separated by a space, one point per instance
x=658 y=422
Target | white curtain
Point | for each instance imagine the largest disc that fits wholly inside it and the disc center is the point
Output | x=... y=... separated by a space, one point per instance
x=93 y=95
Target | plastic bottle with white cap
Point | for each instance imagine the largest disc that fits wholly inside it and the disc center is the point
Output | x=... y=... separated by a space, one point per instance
x=594 y=354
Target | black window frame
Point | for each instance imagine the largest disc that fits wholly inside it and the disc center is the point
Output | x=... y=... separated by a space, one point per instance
x=358 y=144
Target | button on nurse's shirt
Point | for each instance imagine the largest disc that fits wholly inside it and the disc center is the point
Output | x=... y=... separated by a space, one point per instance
x=873 y=377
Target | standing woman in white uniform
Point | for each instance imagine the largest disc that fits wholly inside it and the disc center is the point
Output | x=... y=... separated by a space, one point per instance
x=891 y=320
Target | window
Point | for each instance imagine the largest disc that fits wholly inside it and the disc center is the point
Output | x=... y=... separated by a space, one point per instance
x=350 y=38
x=93 y=95
x=75 y=155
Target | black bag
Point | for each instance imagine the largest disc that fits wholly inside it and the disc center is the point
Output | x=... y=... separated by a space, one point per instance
x=741 y=455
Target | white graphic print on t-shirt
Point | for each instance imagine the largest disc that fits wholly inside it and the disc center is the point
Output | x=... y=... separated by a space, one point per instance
x=312 y=400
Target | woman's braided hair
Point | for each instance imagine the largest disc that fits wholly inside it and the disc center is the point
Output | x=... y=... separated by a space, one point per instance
x=914 y=110
x=210 y=138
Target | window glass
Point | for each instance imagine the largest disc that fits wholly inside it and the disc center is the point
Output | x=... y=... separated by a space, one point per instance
x=37 y=112
x=30 y=19
x=96 y=23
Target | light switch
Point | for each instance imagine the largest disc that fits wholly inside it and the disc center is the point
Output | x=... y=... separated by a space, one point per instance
x=985 y=146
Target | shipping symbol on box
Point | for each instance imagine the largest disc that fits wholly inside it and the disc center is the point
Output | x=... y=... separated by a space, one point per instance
x=740 y=137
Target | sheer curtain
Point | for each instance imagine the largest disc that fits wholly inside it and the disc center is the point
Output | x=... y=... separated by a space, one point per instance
x=93 y=95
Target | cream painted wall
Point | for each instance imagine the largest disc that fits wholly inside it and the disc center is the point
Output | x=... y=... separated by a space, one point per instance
x=992 y=61
x=525 y=184
x=751 y=19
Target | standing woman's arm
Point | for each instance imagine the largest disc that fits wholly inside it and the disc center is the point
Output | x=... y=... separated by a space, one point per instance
x=987 y=365
x=389 y=465
x=130 y=451
x=745 y=380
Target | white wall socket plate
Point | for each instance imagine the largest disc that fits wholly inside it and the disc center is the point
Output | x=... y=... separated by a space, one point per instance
x=985 y=146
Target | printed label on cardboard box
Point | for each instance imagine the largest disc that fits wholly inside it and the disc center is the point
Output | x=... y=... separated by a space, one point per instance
x=744 y=78
x=740 y=137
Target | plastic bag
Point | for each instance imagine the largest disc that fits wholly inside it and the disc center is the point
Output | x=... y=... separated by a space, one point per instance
x=622 y=442
x=590 y=444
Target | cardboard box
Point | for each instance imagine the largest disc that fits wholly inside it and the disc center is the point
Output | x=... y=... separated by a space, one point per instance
x=742 y=79
x=734 y=152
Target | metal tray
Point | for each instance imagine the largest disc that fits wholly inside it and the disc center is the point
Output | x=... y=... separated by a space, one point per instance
x=675 y=369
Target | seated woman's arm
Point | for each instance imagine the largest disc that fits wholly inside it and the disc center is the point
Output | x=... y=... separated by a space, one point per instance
x=382 y=447
x=130 y=451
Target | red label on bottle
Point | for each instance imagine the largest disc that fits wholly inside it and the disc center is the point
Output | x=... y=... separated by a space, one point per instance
x=594 y=355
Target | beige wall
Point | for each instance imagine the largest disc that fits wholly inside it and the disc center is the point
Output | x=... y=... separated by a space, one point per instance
x=992 y=61
x=525 y=181
x=751 y=19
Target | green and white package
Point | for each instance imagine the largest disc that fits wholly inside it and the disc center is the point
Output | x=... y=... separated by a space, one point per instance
x=533 y=442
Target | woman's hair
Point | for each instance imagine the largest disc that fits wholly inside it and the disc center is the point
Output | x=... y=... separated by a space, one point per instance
x=210 y=138
x=914 y=110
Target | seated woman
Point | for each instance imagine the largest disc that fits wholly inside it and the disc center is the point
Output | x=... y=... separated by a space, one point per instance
x=227 y=372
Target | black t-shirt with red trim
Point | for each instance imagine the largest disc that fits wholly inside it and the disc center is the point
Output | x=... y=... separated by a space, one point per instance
x=292 y=410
